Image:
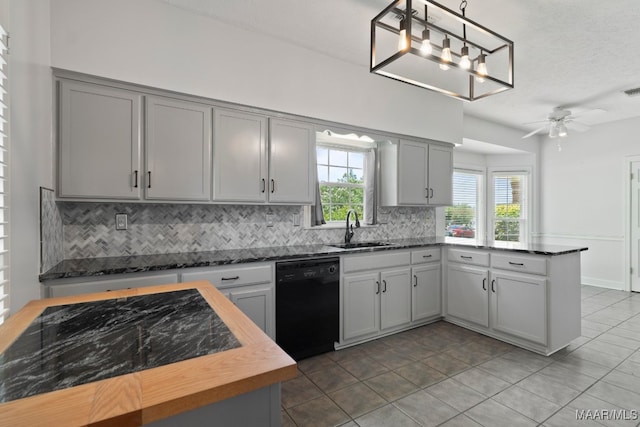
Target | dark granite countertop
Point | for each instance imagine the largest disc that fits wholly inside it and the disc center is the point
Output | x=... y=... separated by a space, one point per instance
x=89 y=267
x=76 y=344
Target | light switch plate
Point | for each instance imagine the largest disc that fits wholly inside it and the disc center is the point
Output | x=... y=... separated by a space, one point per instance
x=296 y=220
x=269 y=219
x=121 y=221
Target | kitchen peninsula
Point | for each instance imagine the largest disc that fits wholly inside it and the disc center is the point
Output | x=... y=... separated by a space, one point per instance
x=163 y=355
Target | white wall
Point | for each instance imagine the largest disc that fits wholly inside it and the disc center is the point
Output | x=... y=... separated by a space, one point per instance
x=152 y=43
x=30 y=140
x=584 y=198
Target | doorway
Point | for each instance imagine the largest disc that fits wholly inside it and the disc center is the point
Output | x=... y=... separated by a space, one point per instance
x=634 y=223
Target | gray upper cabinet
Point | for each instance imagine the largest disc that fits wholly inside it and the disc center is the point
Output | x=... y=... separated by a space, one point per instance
x=178 y=150
x=239 y=157
x=415 y=173
x=291 y=168
x=99 y=142
x=249 y=167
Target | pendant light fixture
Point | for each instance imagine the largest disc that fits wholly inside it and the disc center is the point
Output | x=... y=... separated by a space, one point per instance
x=477 y=62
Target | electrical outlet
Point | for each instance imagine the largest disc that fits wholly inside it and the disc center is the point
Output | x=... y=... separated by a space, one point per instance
x=121 y=221
x=269 y=219
x=296 y=220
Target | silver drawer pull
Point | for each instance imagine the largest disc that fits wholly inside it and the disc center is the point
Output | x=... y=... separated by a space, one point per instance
x=466 y=257
x=427 y=256
x=230 y=278
x=516 y=263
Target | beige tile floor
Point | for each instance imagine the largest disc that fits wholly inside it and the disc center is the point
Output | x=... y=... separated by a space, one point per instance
x=441 y=374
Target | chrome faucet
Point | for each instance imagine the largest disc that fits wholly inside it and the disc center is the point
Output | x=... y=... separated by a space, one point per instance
x=349 y=234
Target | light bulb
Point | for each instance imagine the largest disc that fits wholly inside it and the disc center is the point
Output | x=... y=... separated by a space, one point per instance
x=465 y=64
x=553 y=131
x=445 y=57
x=482 y=68
x=426 y=48
x=562 y=130
x=402 y=41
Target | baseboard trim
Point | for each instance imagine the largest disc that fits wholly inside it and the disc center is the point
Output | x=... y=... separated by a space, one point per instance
x=603 y=283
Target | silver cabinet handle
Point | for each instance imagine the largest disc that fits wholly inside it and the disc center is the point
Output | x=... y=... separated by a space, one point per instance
x=466 y=257
x=230 y=278
x=385 y=286
x=415 y=283
x=516 y=263
x=426 y=190
x=431 y=196
x=493 y=286
x=484 y=284
x=264 y=185
x=378 y=287
x=148 y=179
x=427 y=256
x=273 y=186
x=135 y=179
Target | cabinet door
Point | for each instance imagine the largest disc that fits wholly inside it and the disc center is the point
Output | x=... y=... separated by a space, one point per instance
x=412 y=173
x=395 y=301
x=467 y=296
x=425 y=300
x=291 y=171
x=178 y=150
x=440 y=175
x=257 y=304
x=519 y=306
x=239 y=157
x=361 y=305
x=99 y=145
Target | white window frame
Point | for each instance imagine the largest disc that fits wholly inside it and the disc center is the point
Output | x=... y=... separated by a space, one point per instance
x=526 y=222
x=347 y=149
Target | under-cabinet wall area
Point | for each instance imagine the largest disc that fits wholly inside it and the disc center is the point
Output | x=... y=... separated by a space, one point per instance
x=83 y=230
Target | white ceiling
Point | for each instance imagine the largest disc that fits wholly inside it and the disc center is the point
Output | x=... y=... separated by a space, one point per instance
x=578 y=54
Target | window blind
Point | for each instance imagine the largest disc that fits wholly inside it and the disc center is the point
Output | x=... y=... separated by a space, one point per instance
x=462 y=218
x=4 y=186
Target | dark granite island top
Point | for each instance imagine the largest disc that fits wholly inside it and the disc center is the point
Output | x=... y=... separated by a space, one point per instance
x=138 y=355
x=91 y=267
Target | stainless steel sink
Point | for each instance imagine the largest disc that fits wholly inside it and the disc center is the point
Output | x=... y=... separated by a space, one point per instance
x=359 y=245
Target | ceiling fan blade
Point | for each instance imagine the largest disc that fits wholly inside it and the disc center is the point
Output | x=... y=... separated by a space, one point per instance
x=536 y=122
x=591 y=112
x=580 y=127
x=534 y=132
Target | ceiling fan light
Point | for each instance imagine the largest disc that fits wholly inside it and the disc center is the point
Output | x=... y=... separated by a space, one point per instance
x=445 y=57
x=562 y=130
x=553 y=130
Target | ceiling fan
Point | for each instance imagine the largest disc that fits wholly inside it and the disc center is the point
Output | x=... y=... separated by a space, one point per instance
x=559 y=120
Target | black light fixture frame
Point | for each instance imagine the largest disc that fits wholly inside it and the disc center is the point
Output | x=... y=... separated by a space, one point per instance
x=409 y=16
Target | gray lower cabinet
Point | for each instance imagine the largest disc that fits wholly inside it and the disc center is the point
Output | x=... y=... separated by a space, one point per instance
x=251 y=288
x=387 y=292
x=532 y=301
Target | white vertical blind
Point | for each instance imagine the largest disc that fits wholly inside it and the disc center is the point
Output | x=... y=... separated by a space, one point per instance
x=510 y=206
x=465 y=217
x=4 y=186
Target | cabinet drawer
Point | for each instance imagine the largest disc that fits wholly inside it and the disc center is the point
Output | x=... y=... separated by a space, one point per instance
x=224 y=277
x=469 y=257
x=525 y=264
x=425 y=255
x=384 y=259
x=64 y=290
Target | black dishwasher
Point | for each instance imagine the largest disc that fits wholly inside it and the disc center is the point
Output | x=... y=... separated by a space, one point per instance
x=307 y=306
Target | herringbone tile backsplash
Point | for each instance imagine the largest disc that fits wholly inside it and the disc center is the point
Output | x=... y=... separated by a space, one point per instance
x=89 y=228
